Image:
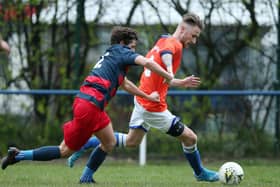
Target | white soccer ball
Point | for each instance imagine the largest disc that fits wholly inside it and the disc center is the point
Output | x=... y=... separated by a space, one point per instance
x=231 y=173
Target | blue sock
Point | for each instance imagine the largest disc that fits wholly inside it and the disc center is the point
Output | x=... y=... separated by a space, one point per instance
x=193 y=156
x=24 y=155
x=87 y=174
x=95 y=160
x=40 y=154
x=92 y=142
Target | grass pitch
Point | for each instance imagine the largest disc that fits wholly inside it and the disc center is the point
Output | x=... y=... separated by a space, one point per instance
x=258 y=173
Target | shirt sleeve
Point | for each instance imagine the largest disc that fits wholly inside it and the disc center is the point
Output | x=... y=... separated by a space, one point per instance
x=167 y=48
x=129 y=57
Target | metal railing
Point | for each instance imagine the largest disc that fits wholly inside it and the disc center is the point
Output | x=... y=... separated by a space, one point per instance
x=171 y=92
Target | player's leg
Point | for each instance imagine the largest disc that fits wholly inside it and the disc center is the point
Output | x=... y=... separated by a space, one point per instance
x=76 y=133
x=137 y=126
x=92 y=143
x=167 y=122
x=134 y=137
x=72 y=136
x=189 y=143
x=98 y=155
x=108 y=142
x=45 y=153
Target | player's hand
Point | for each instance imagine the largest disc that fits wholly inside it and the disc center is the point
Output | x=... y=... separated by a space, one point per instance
x=4 y=46
x=188 y=82
x=191 y=81
x=154 y=96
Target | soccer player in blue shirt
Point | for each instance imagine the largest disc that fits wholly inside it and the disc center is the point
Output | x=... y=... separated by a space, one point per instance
x=89 y=116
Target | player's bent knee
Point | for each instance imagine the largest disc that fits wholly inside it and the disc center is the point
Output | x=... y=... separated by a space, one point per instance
x=65 y=151
x=190 y=140
x=188 y=137
x=193 y=138
x=176 y=129
x=108 y=147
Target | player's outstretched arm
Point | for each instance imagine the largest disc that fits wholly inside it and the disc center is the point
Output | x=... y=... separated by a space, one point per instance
x=131 y=88
x=187 y=82
x=153 y=66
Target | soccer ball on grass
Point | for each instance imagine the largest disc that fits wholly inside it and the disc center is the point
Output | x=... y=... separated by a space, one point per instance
x=231 y=173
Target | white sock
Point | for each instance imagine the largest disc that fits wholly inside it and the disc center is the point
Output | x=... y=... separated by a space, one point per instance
x=121 y=139
x=189 y=149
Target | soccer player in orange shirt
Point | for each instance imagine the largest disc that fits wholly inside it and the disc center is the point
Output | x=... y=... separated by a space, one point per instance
x=167 y=52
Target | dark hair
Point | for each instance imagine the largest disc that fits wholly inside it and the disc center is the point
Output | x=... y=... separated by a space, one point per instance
x=124 y=34
x=193 y=19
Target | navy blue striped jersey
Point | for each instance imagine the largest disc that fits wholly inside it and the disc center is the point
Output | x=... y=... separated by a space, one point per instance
x=107 y=75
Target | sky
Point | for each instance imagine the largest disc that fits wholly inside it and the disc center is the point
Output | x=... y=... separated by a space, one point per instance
x=116 y=11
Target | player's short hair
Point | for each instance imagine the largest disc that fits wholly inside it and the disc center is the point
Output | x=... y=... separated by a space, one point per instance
x=124 y=34
x=193 y=19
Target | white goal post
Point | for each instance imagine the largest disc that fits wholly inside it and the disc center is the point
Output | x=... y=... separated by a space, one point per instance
x=143 y=151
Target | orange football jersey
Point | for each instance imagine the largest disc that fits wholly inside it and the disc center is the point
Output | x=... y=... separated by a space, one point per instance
x=151 y=81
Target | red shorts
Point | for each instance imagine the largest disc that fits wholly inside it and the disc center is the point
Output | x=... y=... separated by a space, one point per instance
x=87 y=119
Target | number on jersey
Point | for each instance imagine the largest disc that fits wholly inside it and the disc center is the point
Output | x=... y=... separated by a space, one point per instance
x=99 y=63
x=148 y=72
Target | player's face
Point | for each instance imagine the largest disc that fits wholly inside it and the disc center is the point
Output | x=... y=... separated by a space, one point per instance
x=132 y=45
x=190 y=35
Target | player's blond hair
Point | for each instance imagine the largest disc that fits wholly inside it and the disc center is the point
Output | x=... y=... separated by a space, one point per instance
x=193 y=19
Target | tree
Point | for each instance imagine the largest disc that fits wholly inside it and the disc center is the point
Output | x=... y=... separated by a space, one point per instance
x=45 y=50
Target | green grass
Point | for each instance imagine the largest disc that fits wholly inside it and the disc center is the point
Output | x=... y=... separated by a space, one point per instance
x=258 y=173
